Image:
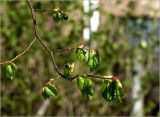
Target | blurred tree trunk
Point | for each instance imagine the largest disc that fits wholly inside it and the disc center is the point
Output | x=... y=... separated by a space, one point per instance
x=137 y=94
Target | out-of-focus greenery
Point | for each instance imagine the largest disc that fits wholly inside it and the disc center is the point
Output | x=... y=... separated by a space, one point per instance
x=117 y=40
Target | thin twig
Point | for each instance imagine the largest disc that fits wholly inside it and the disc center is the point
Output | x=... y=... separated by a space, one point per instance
x=94 y=76
x=68 y=49
x=52 y=79
x=46 y=10
x=35 y=27
x=97 y=76
x=19 y=55
x=64 y=50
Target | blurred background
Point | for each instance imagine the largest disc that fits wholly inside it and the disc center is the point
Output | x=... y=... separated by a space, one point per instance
x=126 y=34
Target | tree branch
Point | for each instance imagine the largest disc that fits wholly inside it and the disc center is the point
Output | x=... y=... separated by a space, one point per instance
x=35 y=27
x=39 y=39
x=19 y=55
x=100 y=77
x=37 y=36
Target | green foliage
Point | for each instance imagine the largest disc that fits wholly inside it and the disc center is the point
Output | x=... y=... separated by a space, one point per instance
x=80 y=82
x=112 y=90
x=105 y=89
x=49 y=90
x=85 y=86
x=80 y=53
x=93 y=57
x=112 y=39
x=11 y=69
x=87 y=90
x=93 y=60
x=118 y=91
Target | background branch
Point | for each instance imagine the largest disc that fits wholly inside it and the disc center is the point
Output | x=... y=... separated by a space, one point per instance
x=42 y=109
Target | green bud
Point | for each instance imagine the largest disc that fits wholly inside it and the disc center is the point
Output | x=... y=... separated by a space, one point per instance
x=52 y=88
x=44 y=92
x=49 y=90
x=11 y=69
x=14 y=67
x=68 y=70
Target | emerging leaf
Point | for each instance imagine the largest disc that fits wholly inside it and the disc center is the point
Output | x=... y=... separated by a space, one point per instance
x=49 y=90
x=68 y=70
x=85 y=86
x=118 y=93
x=93 y=60
x=59 y=15
x=14 y=67
x=112 y=90
x=52 y=88
x=87 y=90
x=80 y=53
x=80 y=82
x=11 y=69
x=106 y=90
x=44 y=92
